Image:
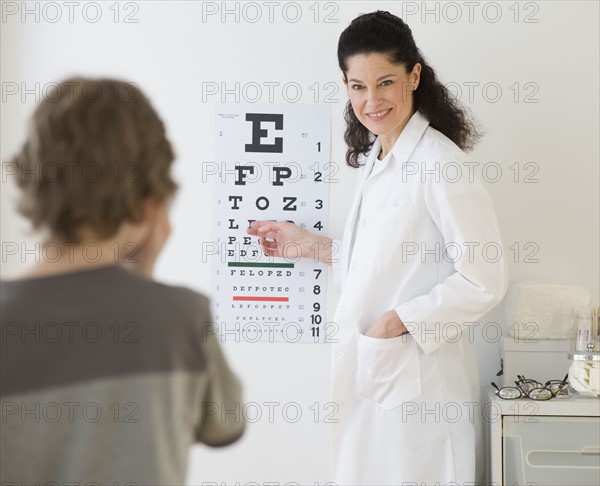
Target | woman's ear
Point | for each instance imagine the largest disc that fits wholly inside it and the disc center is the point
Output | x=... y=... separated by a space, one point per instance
x=416 y=75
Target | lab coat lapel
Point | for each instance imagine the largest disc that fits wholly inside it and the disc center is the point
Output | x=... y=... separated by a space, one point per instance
x=402 y=150
x=400 y=154
x=409 y=138
x=351 y=221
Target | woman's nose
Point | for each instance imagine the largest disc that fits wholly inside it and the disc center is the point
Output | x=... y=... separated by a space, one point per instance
x=373 y=97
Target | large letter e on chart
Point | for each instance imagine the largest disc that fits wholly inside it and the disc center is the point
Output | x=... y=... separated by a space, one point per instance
x=258 y=132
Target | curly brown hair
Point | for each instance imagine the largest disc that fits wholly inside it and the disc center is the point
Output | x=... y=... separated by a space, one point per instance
x=385 y=33
x=95 y=149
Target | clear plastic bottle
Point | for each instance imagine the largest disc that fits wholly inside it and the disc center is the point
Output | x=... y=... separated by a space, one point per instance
x=583 y=318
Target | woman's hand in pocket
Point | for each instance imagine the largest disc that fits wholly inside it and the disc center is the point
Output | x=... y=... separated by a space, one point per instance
x=387 y=325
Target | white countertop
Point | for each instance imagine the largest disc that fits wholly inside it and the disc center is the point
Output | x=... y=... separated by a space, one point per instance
x=576 y=405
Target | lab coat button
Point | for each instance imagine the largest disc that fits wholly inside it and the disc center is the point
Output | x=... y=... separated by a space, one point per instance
x=340 y=354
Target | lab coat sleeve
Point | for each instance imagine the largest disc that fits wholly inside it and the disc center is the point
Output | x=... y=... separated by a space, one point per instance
x=464 y=213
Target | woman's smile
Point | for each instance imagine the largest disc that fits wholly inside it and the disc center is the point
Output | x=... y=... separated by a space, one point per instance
x=378 y=115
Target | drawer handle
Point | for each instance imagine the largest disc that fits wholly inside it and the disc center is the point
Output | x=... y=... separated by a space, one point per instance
x=592 y=451
x=586 y=458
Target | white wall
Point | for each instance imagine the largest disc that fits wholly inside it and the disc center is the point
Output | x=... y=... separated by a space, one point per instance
x=171 y=51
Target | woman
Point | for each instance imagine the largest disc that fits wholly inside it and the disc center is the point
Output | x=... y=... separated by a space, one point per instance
x=412 y=269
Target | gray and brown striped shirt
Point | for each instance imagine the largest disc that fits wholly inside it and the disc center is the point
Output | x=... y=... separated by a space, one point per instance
x=107 y=377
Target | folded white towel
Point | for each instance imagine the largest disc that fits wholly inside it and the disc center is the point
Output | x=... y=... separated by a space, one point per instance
x=543 y=311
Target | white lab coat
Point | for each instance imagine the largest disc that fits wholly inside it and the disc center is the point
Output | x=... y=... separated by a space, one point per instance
x=410 y=410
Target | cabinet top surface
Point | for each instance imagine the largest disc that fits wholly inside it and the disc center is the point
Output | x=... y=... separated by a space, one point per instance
x=574 y=406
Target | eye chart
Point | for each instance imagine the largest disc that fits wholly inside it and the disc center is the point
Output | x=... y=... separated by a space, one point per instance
x=272 y=163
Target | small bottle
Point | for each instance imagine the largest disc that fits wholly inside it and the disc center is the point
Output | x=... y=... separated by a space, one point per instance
x=595 y=325
x=583 y=317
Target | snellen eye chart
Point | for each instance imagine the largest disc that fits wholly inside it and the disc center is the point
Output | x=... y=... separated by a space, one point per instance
x=272 y=163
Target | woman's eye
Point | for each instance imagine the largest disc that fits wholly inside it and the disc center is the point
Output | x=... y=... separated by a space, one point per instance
x=356 y=86
x=386 y=82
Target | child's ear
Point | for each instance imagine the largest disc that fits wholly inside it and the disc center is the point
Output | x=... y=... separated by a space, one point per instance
x=147 y=210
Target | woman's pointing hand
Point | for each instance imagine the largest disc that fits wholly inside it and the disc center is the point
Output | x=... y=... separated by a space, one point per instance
x=288 y=240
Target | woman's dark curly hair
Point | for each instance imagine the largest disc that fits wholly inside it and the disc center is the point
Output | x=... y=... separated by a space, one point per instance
x=382 y=32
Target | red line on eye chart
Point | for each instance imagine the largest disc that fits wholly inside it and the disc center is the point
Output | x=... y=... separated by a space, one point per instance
x=261 y=299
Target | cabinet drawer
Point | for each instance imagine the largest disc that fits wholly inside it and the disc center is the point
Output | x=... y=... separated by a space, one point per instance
x=552 y=451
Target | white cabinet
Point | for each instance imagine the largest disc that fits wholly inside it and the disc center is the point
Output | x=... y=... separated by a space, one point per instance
x=549 y=443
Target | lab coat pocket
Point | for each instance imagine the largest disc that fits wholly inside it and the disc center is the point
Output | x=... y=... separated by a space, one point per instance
x=387 y=370
x=385 y=231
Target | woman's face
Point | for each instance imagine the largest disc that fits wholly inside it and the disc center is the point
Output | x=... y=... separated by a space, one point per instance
x=381 y=93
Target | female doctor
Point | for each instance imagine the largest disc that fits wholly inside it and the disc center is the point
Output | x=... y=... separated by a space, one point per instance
x=420 y=263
